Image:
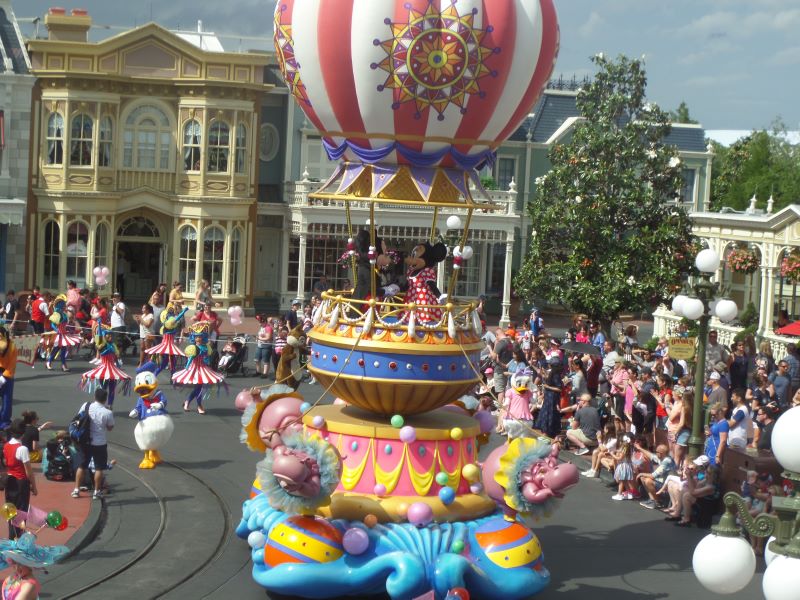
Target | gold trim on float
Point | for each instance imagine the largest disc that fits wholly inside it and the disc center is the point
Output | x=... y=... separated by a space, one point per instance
x=353 y=507
x=347 y=343
x=368 y=379
x=434 y=425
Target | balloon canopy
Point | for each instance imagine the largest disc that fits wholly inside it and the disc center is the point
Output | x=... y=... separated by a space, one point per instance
x=425 y=83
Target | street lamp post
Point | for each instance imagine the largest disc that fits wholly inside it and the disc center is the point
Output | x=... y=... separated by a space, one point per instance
x=724 y=562
x=699 y=307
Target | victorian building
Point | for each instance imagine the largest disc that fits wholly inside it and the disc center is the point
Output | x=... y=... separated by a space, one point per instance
x=143 y=160
x=16 y=84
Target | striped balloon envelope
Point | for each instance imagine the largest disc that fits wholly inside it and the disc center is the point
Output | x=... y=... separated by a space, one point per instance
x=420 y=82
x=509 y=544
x=301 y=539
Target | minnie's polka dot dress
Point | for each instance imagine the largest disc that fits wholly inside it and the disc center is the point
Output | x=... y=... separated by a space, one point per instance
x=419 y=292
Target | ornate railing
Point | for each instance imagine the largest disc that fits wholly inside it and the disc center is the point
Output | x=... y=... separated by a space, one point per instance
x=338 y=308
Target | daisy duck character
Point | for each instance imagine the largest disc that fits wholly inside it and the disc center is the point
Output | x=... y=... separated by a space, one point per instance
x=172 y=321
x=107 y=374
x=155 y=426
x=518 y=400
x=198 y=373
x=63 y=340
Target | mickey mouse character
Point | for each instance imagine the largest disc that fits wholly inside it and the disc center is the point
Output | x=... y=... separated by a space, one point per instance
x=421 y=277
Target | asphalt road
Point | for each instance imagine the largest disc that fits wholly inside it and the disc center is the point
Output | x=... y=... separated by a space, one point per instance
x=168 y=533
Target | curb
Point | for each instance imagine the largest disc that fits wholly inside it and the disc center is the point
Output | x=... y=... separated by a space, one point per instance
x=89 y=529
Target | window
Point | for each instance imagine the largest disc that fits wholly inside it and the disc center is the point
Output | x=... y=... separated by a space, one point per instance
x=468 y=282
x=506 y=171
x=80 y=152
x=687 y=187
x=101 y=245
x=187 y=259
x=233 y=262
x=50 y=245
x=316 y=160
x=241 y=148
x=219 y=141
x=147 y=139
x=213 y=257
x=192 y=140
x=55 y=139
x=104 y=145
x=77 y=252
x=322 y=255
x=269 y=143
x=138 y=227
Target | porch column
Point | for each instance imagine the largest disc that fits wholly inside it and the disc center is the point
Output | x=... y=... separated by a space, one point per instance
x=301 y=268
x=767 y=305
x=504 y=317
x=440 y=279
x=482 y=271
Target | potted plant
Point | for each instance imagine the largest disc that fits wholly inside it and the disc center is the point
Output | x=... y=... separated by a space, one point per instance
x=742 y=260
x=790 y=267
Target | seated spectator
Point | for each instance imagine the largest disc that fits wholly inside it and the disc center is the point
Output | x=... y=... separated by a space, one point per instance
x=584 y=429
x=602 y=456
x=662 y=467
x=698 y=482
x=623 y=470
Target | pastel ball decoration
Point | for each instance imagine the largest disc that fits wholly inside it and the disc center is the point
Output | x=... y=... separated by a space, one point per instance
x=402 y=509
x=352 y=72
x=486 y=421
x=471 y=472
x=420 y=514
x=379 y=490
x=442 y=478
x=476 y=488
x=355 y=541
x=256 y=540
x=318 y=421
x=447 y=495
x=304 y=407
x=408 y=434
x=302 y=539
x=457 y=546
x=370 y=520
x=397 y=421
x=456 y=433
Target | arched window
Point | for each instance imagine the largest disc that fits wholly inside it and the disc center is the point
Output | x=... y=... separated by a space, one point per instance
x=101 y=245
x=77 y=252
x=219 y=144
x=187 y=258
x=55 y=139
x=213 y=257
x=104 y=144
x=233 y=261
x=147 y=139
x=192 y=141
x=241 y=148
x=50 y=250
x=80 y=150
x=138 y=227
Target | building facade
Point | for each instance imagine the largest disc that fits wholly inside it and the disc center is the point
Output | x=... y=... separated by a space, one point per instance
x=16 y=85
x=143 y=160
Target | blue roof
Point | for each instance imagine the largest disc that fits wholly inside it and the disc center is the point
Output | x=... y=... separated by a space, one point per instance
x=555 y=107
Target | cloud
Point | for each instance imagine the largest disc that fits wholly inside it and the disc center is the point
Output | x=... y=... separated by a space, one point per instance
x=706 y=81
x=719 y=23
x=591 y=25
x=715 y=47
x=787 y=56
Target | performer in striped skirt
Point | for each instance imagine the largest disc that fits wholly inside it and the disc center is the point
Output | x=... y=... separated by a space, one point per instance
x=63 y=340
x=168 y=349
x=198 y=373
x=107 y=374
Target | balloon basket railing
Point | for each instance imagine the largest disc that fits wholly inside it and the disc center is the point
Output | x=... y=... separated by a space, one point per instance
x=408 y=517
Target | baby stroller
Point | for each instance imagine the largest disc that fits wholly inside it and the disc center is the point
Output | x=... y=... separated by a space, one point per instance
x=59 y=465
x=234 y=356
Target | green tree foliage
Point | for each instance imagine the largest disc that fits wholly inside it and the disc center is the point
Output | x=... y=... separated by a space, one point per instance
x=761 y=163
x=605 y=239
x=681 y=114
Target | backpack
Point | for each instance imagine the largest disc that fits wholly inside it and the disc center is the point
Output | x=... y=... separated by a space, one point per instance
x=79 y=426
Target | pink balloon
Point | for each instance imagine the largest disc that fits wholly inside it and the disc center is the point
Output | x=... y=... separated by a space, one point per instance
x=486 y=420
x=101 y=281
x=420 y=514
x=243 y=400
x=105 y=271
x=236 y=321
x=97 y=271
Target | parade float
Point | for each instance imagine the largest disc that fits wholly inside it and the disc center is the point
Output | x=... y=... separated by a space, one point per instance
x=382 y=491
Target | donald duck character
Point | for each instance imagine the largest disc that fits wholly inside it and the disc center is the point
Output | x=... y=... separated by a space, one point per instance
x=518 y=402
x=155 y=426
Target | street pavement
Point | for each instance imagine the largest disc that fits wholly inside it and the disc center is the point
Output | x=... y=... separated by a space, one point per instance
x=168 y=533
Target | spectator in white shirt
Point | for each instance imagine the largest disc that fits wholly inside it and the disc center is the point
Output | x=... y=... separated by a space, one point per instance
x=118 y=311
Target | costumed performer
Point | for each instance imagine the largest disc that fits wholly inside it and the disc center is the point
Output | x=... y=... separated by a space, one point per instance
x=107 y=373
x=171 y=323
x=518 y=399
x=289 y=361
x=8 y=366
x=198 y=373
x=155 y=426
x=377 y=258
x=421 y=281
x=24 y=555
x=62 y=340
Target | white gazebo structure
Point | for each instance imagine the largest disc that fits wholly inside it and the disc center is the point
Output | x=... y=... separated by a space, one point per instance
x=771 y=237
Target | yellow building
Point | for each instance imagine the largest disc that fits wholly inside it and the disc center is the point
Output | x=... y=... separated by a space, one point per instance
x=143 y=160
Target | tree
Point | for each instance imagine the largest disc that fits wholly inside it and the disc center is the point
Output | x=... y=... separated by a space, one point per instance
x=606 y=239
x=681 y=114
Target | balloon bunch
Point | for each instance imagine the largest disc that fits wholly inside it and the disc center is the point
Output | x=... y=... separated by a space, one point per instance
x=101 y=275
x=53 y=520
x=236 y=313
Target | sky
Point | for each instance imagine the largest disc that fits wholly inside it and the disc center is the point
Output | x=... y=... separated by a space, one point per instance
x=734 y=62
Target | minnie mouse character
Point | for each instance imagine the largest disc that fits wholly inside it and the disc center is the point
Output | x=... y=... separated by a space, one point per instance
x=421 y=277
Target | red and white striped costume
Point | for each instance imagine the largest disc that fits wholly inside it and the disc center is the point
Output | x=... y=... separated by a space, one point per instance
x=64 y=339
x=166 y=347
x=197 y=373
x=107 y=370
x=420 y=293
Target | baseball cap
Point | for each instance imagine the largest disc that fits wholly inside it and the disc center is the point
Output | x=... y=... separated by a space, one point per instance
x=701 y=461
x=714 y=375
x=721 y=367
